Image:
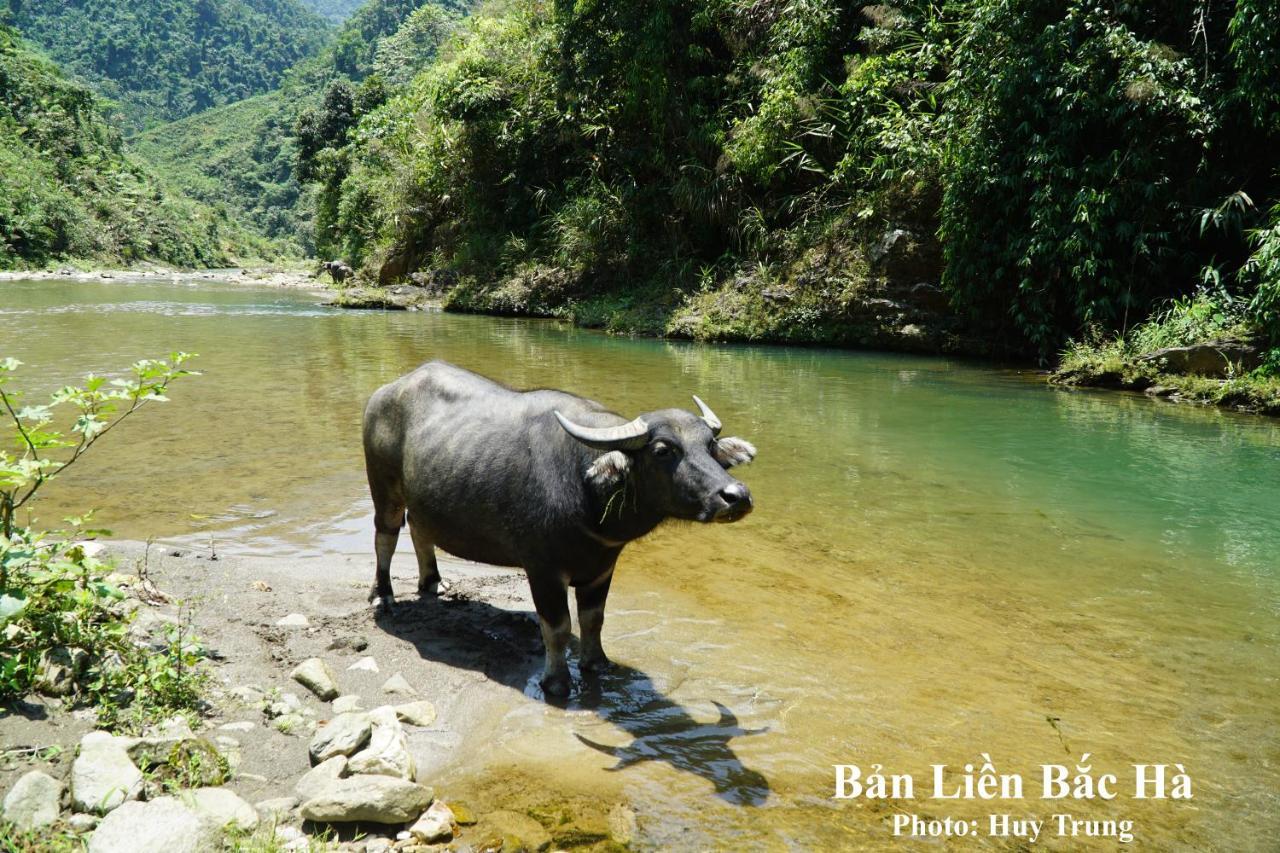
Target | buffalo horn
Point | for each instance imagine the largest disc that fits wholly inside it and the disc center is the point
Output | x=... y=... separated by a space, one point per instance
x=629 y=436
x=708 y=415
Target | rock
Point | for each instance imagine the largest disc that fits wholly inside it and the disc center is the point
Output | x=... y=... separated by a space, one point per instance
x=249 y=694
x=33 y=801
x=220 y=809
x=462 y=814
x=1214 y=359
x=377 y=799
x=103 y=776
x=622 y=824
x=398 y=684
x=347 y=704
x=161 y=824
x=260 y=586
x=293 y=620
x=345 y=734
x=435 y=825
x=276 y=809
x=58 y=669
x=388 y=751
x=420 y=713
x=285 y=703
x=378 y=844
x=318 y=778
x=159 y=741
x=289 y=724
x=315 y=675
x=365 y=664
x=355 y=643
x=240 y=726
x=512 y=831
x=83 y=823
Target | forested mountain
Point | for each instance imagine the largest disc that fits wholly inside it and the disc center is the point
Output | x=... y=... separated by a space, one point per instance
x=766 y=170
x=67 y=188
x=336 y=11
x=243 y=155
x=159 y=60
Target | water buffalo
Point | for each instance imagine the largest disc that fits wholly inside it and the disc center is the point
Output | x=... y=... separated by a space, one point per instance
x=542 y=480
x=337 y=270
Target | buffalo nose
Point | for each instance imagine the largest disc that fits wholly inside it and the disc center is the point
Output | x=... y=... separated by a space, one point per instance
x=736 y=496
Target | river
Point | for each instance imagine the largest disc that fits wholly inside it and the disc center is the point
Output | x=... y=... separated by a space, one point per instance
x=946 y=559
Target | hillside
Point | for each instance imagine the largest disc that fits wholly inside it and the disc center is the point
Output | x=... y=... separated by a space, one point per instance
x=68 y=189
x=160 y=60
x=336 y=11
x=243 y=155
x=985 y=176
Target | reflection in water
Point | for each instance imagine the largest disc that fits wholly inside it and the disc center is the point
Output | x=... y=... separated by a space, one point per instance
x=942 y=556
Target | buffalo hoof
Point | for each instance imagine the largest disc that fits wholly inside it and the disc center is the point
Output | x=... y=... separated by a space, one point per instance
x=556 y=685
x=595 y=665
x=387 y=604
x=433 y=589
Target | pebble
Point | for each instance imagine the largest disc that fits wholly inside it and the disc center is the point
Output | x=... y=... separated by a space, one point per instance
x=315 y=675
x=347 y=704
x=365 y=664
x=398 y=684
x=420 y=713
x=293 y=620
x=241 y=726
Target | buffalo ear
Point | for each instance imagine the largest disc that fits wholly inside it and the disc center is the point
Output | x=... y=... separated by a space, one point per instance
x=610 y=469
x=734 y=451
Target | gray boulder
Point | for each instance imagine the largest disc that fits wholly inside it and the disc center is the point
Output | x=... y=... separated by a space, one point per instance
x=161 y=824
x=220 y=809
x=388 y=751
x=103 y=776
x=1213 y=359
x=345 y=734
x=33 y=801
x=314 y=782
x=377 y=799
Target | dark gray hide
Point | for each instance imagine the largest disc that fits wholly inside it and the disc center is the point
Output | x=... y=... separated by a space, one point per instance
x=493 y=475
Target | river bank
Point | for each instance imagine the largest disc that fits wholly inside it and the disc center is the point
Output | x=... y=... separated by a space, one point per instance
x=260 y=617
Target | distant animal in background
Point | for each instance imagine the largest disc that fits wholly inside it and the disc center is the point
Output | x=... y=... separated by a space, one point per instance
x=544 y=480
x=337 y=270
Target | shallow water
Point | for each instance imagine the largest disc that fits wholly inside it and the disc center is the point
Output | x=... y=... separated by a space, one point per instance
x=945 y=560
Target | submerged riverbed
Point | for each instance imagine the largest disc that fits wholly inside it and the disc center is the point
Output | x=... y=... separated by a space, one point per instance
x=945 y=560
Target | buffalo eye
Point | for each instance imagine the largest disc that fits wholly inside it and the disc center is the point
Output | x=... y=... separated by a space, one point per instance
x=662 y=450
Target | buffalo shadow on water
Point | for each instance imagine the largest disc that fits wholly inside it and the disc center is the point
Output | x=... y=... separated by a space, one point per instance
x=506 y=646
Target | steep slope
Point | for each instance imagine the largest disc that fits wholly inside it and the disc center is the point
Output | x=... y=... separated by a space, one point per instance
x=243 y=155
x=68 y=190
x=164 y=59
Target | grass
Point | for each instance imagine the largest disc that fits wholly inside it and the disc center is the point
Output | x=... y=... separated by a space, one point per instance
x=1118 y=361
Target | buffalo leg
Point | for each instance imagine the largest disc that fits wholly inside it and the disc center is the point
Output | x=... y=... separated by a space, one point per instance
x=551 y=599
x=387 y=521
x=591 y=598
x=428 y=571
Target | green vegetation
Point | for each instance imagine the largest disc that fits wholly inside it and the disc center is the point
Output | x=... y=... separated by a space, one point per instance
x=164 y=59
x=732 y=170
x=336 y=11
x=238 y=159
x=65 y=629
x=68 y=189
x=241 y=158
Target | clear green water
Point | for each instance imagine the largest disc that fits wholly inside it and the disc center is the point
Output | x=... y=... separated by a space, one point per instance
x=943 y=556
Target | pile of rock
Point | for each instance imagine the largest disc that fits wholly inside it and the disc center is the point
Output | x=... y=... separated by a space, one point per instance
x=131 y=812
